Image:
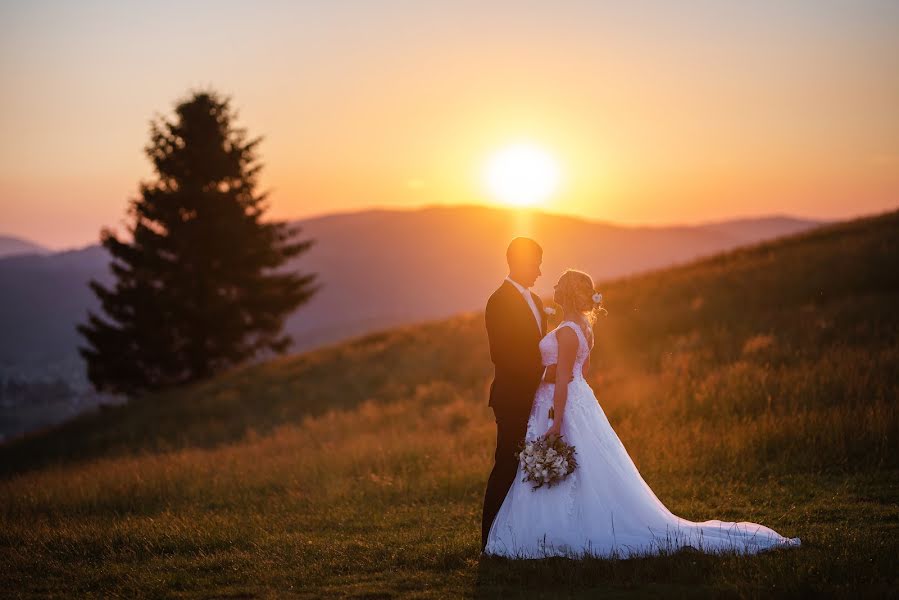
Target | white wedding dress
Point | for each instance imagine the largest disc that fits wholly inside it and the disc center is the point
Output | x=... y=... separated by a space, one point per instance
x=603 y=508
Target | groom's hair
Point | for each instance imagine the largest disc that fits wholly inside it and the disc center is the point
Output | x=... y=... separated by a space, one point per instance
x=522 y=247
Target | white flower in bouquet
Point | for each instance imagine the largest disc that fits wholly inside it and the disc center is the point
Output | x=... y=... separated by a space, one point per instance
x=547 y=461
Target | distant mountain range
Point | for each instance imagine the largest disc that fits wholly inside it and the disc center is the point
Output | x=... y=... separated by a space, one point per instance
x=10 y=245
x=385 y=267
x=379 y=268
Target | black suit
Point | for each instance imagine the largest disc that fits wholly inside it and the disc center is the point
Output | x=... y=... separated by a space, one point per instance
x=514 y=349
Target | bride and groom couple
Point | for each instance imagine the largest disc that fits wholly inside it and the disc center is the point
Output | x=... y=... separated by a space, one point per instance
x=604 y=507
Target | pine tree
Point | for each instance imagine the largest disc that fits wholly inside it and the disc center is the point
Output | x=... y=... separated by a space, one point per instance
x=198 y=287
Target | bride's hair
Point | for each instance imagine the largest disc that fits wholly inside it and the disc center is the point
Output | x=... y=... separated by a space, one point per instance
x=575 y=293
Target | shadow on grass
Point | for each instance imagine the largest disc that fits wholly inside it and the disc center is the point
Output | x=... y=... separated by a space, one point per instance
x=685 y=573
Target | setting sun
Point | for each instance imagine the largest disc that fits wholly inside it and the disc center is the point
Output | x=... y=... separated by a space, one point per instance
x=522 y=174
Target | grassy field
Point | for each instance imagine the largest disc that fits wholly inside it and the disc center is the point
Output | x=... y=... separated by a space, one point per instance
x=758 y=385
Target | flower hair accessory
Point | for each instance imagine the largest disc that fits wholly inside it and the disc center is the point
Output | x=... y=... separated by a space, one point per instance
x=549 y=310
x=597 y=298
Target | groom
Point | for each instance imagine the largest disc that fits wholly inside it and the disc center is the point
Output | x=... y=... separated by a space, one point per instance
x=515 y=325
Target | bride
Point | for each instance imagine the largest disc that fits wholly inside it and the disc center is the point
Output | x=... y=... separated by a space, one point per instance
x=603 y=508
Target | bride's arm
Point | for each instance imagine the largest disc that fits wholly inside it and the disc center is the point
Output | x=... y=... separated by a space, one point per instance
x=568 y=342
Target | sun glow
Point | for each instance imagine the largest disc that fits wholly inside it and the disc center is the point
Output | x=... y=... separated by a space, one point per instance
x=522 y=175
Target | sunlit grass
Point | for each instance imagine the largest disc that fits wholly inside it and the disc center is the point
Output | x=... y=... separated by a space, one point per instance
x=358 y=470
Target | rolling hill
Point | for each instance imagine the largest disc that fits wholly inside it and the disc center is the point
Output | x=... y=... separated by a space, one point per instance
x=11 y=245
x=379 y=268
x=434 y=262
x=758 y=384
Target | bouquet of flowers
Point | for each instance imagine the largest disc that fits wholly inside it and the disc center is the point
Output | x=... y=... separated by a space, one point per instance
x=547 y=460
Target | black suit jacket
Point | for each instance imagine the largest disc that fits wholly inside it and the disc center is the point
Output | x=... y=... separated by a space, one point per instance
x=514 y=349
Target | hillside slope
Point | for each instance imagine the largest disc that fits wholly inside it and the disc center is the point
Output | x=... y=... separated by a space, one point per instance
x=759 y=385
x=794 y=301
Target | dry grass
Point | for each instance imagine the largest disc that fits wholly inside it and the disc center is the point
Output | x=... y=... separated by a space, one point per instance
x=358 y=470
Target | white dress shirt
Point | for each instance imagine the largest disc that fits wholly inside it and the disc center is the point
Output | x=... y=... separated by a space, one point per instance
x=527 y=296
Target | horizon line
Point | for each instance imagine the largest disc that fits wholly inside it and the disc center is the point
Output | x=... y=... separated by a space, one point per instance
x=495 y=207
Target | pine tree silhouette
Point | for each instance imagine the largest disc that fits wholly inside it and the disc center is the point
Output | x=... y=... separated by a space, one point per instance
x=198 y=287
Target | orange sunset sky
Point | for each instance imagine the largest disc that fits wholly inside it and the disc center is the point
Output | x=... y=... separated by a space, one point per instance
x=654 y=112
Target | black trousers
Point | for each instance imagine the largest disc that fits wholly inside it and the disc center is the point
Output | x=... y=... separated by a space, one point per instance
x=511 y=427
